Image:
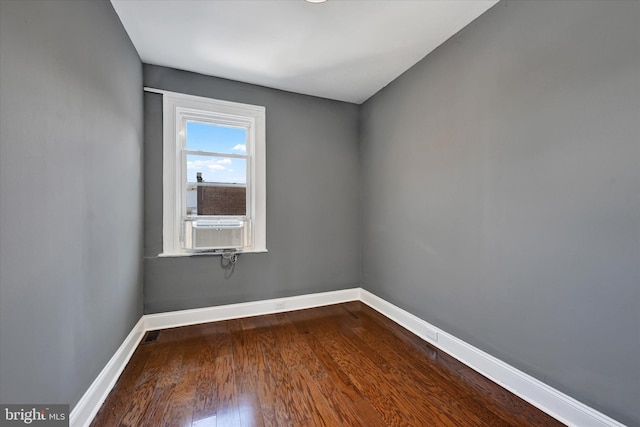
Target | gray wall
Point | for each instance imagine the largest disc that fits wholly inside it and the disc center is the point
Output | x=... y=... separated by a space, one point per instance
x=312 y=201
x=70 y=196
x=501 y=194
x=500 y=184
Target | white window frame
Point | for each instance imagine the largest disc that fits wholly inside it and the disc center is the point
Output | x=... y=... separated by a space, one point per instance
x=177 y=108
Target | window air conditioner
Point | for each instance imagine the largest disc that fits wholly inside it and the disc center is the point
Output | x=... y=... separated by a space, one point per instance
x=210 y=234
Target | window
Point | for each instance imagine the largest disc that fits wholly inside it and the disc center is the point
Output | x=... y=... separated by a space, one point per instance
x=213 y=176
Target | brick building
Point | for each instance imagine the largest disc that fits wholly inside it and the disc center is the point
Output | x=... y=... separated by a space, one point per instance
x=222 y=200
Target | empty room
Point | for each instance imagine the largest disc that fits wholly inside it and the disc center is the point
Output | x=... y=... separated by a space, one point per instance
x=320 y=213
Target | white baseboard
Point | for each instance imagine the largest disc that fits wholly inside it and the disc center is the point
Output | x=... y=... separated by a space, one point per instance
x=560 y=406
x=246 y=309
x=88 y=406
x=555 y=403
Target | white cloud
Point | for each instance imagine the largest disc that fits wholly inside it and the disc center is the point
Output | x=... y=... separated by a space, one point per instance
x=240 y=147
x=212 y=165
x=214 y=170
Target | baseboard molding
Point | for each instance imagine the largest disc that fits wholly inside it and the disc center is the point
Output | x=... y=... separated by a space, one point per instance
x=255 y=308
x=555 y=403
x=88 y=406
x=560 y=406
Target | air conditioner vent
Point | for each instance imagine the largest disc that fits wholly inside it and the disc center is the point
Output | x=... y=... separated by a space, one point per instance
x=209 y=234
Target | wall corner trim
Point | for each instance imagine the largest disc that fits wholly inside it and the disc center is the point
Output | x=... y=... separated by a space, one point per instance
x=555 y=403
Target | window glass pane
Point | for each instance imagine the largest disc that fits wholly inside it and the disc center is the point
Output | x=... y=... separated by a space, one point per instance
x=216 y=138
x=216 y=199
x=210 y=169
x=216 y=185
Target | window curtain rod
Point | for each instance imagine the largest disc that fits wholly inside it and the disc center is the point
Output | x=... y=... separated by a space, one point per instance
x=202 y=98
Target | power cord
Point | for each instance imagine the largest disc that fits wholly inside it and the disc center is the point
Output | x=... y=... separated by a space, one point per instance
x=228 y=261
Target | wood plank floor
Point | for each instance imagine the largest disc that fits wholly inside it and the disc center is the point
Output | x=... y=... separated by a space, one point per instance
x=341 y=365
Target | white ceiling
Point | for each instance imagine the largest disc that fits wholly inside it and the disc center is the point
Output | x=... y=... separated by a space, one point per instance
x=341 y=49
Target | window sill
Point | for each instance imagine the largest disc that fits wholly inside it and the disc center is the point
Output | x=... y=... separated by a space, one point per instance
x=198 y=254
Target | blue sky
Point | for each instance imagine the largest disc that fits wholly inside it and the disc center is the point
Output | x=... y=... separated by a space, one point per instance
x=218 y=139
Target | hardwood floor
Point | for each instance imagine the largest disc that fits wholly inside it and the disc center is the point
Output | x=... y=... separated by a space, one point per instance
x=341 y=365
